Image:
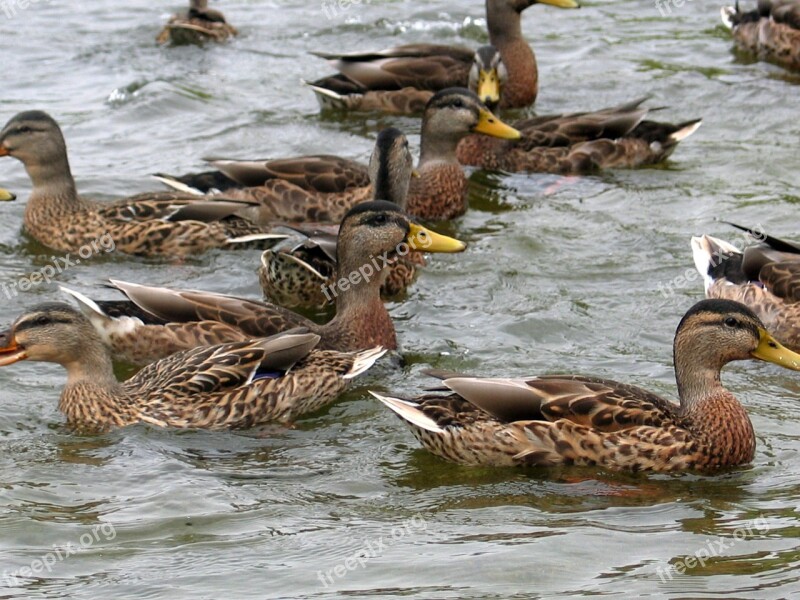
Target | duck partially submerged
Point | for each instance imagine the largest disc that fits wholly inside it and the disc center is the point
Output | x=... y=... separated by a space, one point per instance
x=771 y=32
x=402 y=79
x=764 y=276
x=575 y=420
x=229 y=386
x=149 y=224
x=197 y=25
x=320 y=188
x=156 y=322
x=577 y=143
x=296 y=271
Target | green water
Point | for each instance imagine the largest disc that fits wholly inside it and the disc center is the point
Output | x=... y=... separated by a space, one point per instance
x=561 y=275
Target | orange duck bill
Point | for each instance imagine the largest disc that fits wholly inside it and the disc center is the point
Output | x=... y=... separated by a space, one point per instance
x=10 y=351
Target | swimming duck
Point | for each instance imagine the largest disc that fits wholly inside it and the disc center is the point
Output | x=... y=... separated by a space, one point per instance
x=438 y=193
x=198 y=25
x=296 y=271
x=764 y=276
x=157 y=322
x=6 y=196
x=575 y=420
x=402 y=79
x=228 y=386
x=150 y=224
x=576 y=143
x=771 y=31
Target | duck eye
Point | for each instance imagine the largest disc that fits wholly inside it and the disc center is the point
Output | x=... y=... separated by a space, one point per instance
x=731 y=322
x=379 y=220
x=458 y=103
x=23 y=129
x=42 y=320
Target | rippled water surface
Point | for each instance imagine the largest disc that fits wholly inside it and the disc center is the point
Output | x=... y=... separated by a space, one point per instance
x=561 y=275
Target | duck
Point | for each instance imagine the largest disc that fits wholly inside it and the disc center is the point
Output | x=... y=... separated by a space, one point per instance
x=555 y=420
x=764 y=276
x=227 y=386
x=439 y=193
x=295 y=271
x=196 y=26
x=771 y=32
x=576 y=143
x=149 y=224
x=402 y=79
x=6 y=196
x=155 y=322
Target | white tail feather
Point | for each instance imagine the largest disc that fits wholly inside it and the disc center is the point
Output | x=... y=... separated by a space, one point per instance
x=408 y=411
x=685 y=132
x=364 y=360
x=707 y=252
x=177 y=185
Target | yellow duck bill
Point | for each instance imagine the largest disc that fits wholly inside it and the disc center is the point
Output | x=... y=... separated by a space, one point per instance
x=771 y=350
x=425 y=240
x=488 y=124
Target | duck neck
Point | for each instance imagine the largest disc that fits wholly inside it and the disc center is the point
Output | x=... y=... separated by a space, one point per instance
x=504 y=25
x=437 y=148
x=697 y=376
x=505 y=33
x=53 y=185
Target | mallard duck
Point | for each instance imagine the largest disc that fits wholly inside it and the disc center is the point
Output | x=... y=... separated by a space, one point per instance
x=765 y=277
x=616 y=137
x=149 y=224
x=402 y=79
x=576 y=420
x=197 y=25
x=157 y=322
x=297 y=270
x=6 y=196
x=228 y=386
x=438 y=193
x=771 y=31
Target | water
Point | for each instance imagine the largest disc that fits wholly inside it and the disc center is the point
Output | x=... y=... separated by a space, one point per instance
x=561 y=275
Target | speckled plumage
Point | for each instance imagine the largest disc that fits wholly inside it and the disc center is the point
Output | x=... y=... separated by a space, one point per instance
x=771 y=32
x=575 y=420
x=402 y=79
x=228 y=386
x=156 y=224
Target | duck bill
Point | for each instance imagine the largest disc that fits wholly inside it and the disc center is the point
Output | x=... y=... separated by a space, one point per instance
x=424 y=240
x=770 y=350
x=3 y=151
x=488 y=124
x=560 y=3
x=6 y=196
x=11 y=352
x=488 y=87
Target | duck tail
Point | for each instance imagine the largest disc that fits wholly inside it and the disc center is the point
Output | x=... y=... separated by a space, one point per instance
x=409 y=411
x=715 y=258
x=684 y=130
x=364 y=360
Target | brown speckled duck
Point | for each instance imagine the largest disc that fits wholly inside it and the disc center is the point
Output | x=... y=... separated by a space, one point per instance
x=197 y=25
x=771 y=32
x=402 y=79
x=296 y=270
x=575 y=420
x=765 y=277
x=309 y=196
x=229 y=386
x=577 y=143
x=151 y=224
x=157 y=322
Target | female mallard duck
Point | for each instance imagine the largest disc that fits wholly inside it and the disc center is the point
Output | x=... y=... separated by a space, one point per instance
x=6 y=196
x=147 y=225
x=576 y=143
x=402 y=79
x=157 y=322
x=296 y=270
x=438 y=193
x=198 y=25
x=764 y=277
x=575 y=420
x=771 y=31
x=228 y=386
